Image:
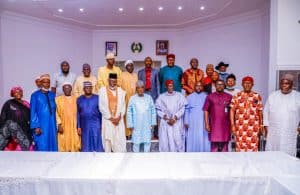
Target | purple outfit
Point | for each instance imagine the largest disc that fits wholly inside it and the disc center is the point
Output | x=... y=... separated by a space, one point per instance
x=217 y=105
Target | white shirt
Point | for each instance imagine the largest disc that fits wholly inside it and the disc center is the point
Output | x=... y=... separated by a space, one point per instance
x=282 y=115
x=59 y=79
x=232 y=92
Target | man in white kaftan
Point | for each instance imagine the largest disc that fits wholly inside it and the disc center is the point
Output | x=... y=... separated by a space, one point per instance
x=170 y=108
x=282 y=116
x=112 y=106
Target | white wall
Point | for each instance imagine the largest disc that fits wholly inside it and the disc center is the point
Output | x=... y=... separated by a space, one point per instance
x=288 y=32
x=284 y=38
x=125 y=38
x=241 y=41
x=31 y=47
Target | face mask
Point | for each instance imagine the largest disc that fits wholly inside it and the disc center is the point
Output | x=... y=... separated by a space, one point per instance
x=230 y=88
x=44 y=89
x=113 y=88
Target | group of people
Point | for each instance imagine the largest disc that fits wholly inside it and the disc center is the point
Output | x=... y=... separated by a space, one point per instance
x=190 y=111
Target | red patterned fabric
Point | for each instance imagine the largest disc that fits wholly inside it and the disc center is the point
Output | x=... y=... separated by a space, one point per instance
x=247 y=107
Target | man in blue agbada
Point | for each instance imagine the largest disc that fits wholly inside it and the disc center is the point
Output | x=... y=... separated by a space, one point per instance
x=141 y=118
x=42 y=117
x=170 y=72
x=89 y=120
x=196 y=135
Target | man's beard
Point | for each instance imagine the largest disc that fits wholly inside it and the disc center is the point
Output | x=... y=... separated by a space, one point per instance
x=65 y=71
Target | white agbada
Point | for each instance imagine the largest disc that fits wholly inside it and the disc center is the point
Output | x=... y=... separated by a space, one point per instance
x=110 y=132
x=171 y=138
x=282 y=116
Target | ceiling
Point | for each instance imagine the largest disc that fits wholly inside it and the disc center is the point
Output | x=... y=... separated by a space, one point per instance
x=103 y=14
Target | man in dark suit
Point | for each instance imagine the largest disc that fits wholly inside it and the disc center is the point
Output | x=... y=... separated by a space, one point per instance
x=150 y=76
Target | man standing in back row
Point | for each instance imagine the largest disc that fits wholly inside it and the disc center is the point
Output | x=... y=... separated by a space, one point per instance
x=150 y=77
x=103 y=72
x=86 y=76
x=191 y=77
x=170 y=72
x=128 y=80
x=62 y=77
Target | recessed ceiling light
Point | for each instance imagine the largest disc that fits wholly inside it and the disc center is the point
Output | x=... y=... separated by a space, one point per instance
x=160 y=8
x=81 y=10
x=60 y=10
x=179 y=7
x=141 y=9
x=121 y=9
x=202 y=7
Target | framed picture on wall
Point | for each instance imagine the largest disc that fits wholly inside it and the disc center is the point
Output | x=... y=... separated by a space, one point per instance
x=111 y=47
x=162 y=47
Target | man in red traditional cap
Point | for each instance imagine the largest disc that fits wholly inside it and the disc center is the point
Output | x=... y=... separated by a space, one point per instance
x=246 y=117
x=170 y=108
x=170 y=72
x=207 y=80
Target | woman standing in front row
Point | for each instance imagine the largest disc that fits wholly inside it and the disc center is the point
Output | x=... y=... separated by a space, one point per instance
x=15 y=133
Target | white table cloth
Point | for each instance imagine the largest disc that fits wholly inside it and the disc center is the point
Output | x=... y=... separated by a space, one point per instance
x=148 y=173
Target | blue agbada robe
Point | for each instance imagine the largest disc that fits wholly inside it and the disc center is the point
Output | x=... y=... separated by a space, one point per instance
x=89 y=120
x=173 y=73
x=43 y=115
x=196 y=136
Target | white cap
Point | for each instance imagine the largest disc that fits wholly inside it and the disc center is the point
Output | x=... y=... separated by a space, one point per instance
x=288 y=76
x=128 y=62
x=110 y=56
x=140 y=83
x=66 y=83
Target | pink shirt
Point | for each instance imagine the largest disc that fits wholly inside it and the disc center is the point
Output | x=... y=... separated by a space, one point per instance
x=217 y=104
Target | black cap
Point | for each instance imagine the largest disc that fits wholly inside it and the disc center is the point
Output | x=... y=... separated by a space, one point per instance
x=113 y=76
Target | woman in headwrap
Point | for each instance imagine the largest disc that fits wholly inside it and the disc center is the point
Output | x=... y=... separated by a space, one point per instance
x=14 y=123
